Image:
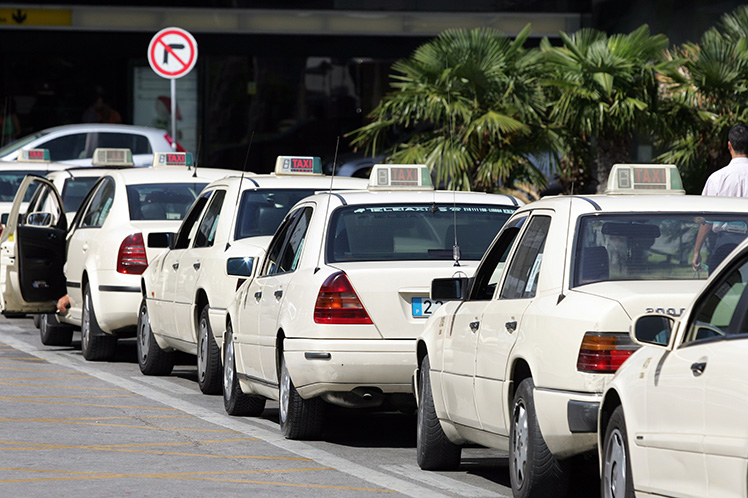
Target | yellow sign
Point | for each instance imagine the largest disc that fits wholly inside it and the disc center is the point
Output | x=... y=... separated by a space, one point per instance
x=36 y=17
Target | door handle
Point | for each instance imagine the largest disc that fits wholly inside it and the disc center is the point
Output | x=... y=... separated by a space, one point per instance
x=278 y=294
x=511 y=326
x=474 y=326
x=175 y=266
x=196 y=265
x=698 y=368
x=52 y=236
x=258 y=295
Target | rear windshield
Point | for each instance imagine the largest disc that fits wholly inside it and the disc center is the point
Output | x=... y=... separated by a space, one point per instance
x=74 y=190
x=410 y=232
x=11 y=180
x=161 y=201
x=261 y=211
x=642 y=246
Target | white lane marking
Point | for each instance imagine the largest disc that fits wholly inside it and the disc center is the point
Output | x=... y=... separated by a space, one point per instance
x=243 y=426
x=442 y=482
x=166 y=385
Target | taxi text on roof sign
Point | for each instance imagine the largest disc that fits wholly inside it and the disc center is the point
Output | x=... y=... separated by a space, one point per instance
x=112 y=157
x=172 y=159
x=295 y=165
x=34 y=155
x=644 y=179
x=400 y=177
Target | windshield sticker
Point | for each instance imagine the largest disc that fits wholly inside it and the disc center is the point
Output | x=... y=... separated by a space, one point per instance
x=532 y=279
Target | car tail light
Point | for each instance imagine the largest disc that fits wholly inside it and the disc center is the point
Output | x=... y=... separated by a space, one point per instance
x=131 y=258
x=168 y=138
x=337 y=302
x=603 y=352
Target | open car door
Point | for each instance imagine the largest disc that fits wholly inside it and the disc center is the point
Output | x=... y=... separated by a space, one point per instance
x=32 y=250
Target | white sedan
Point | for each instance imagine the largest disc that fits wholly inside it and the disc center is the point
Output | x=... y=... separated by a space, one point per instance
x=123 y=223
x=673 y=420
x=221 y=241
x=334 y=310
x=519 y=359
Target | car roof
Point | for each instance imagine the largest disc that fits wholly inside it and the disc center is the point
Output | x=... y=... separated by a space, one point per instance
x=272 y=180
x=168 y=174
x=639 y=203
x=360 y=197
x=92 y=127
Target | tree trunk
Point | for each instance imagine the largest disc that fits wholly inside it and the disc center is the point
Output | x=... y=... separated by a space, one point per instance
x=609 y=150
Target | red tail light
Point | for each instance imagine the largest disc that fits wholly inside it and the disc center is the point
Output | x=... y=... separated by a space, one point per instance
x=171 y=141
x=131 y=258
x=604 y=352
x=338 y=303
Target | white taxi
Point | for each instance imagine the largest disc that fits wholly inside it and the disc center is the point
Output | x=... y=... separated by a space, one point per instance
x=673 y=420
x=519 y=360
x=187 y=288
x=122 y=224
x=334 y=310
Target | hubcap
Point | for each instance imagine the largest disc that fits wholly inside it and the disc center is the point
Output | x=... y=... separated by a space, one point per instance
x=144 y=333
x=614 y=466
x=519 y=443
x=202 y=353
x=285 y=393
x=228 y=367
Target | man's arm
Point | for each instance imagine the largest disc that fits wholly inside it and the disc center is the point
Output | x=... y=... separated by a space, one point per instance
x=704 y=229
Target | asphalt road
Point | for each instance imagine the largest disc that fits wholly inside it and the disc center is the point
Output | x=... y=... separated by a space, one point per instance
x=69 y=427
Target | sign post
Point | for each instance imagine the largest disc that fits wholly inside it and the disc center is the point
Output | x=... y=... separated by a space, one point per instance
x=172 y=54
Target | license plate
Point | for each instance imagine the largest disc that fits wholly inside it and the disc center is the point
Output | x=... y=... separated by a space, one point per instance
x=423 y=306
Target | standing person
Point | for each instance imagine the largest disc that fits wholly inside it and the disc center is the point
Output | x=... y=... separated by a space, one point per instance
x=730 y=181
x=101 y=112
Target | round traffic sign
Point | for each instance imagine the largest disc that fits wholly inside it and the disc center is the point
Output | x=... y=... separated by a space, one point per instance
x=172 y=53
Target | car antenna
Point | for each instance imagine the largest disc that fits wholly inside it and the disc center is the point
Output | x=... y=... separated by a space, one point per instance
x=456 y=246
x=239 y=190
x=566 y=246
x=327 y=208
x=197 y=158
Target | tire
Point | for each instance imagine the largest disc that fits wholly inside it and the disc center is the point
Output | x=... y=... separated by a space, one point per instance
x=617 y=480
x=434 y=451
x=53 y=333
x=235 y=401
x=209 y=371
x=151 y=358
x=533 y=470
x=299 y=418
x=95 y=344
x=37 y=320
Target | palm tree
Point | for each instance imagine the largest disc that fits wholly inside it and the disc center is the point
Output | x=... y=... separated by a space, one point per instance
x=703 y=97
x=473 y=108
x=606 y=91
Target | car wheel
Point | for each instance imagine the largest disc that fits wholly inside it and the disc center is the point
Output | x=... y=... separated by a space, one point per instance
x=53 y=333
x=208 y=357
x=533 y=470
x=37 y=320
x=434 y=451
x=235 y=401
x=95 y=344
x=299 y=418
x=617 y=481
x=151 y=358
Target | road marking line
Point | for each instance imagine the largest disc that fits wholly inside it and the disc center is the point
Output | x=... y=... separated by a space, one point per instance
x=246 y=426
x=137 y=445
x=64 y=387
x=146 y=427
x=87 y=404
x=15 y=369
x=166 y=385
x=442 y=482
x=76 y=377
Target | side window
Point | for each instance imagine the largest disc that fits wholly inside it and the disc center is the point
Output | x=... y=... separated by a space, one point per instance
x=279 y=242
x=489 y=273
x=101 y=203
x=524 y=269
x=289 y=258
x=44 y=206
x=138 y=144
x=206 y=233
x=722 y=311
x=186 y=230
x=67 y=147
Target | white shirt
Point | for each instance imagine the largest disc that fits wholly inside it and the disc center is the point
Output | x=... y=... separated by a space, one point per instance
x=730 y=181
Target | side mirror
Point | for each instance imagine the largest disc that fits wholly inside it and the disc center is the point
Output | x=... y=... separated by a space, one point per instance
x=160 y=239
x=450 y=289
x=240 y=267
x=39 y=219
x=653 y=330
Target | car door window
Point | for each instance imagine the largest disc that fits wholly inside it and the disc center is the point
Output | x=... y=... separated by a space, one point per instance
x=721 y=312
x=206 y=233
x=67 y=147
x=489 y=273
x=138 y=144
x=187 y=230
x=524 y=269
x=98 y=209
x=285 y=248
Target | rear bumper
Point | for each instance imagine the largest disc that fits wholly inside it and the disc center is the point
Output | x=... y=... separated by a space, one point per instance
x=568 y=420
x=322 y=366
x=117 y=307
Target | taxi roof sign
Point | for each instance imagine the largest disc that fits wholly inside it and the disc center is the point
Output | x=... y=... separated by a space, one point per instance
x=172 y=159
x=298 y=165
x=644 y=179
x=34 y=156
x=112 y=157
x=400 y=177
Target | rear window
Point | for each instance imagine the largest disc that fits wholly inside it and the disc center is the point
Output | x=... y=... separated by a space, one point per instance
x=161 y=201
x=261 y=211
x=11 y=180
x=74 y=190
x=657 y=246
x=410 y=232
